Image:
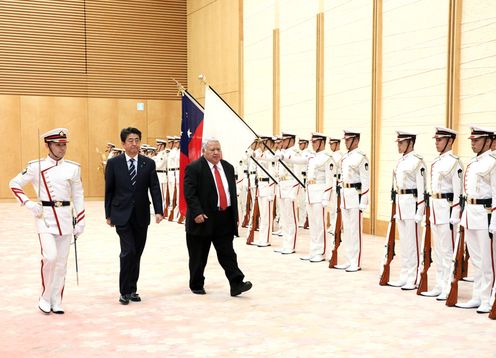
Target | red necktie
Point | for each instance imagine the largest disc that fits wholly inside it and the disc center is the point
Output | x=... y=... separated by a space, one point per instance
x=220 y=189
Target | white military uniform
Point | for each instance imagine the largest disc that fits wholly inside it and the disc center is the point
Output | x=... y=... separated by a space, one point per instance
x=252 y=180
x=409 y=176
x=241 y=186
x=354 y=200
x=161 y=165
x=336 y=156
x=266 y=194
x=480 y=189
x=59 y=184
x=300 y=169
x=320 y=181
x=289 y=188
x=172 y=179
x=446 y=185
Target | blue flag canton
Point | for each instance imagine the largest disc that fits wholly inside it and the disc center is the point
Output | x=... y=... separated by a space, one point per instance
x=192 y=117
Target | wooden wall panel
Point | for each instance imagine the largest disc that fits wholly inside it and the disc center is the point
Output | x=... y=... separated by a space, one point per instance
x=164 y=118
x=10 y=164
x=103 y=127
x=213 y=46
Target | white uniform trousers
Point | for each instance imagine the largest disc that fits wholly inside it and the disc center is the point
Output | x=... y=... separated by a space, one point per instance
x=316 y=223
x=333 y=206
x=242 y=196
x=444 y=242
x=266 y=207
x=171 y=185
x=352 y=235
x=482 y=251
x=409 y=232
x=177 y=213
x=302 y=207
x=54 y=253
x=288 y=223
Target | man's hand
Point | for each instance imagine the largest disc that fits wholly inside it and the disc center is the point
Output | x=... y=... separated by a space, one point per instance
x=78 y=229
x=109 y=222
x=201 y=218
x=35 y=208
x=158 y=218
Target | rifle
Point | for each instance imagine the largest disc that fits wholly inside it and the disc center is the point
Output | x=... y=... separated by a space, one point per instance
x=457 y=268
x=167 y=201
x=466 y=257
x=174 y=203
x=427 y=260
x=492 y=313
x=337 y=231
x=254 y=222
x=389 y=252
x=246 y=218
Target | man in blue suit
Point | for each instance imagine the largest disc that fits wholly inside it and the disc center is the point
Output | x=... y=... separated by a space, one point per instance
x=128 y=177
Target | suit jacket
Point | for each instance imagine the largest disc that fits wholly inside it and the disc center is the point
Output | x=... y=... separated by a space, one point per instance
x=120 y=196
x=201 y=196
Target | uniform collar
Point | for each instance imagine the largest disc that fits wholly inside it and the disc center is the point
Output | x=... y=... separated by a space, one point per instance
x=53 y=161
x=449 y=152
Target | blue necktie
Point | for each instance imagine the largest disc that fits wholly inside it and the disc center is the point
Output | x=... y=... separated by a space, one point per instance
x=132 y=171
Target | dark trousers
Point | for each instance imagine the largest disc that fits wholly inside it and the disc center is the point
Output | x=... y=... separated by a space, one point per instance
x=199 y=247
x=133 y=239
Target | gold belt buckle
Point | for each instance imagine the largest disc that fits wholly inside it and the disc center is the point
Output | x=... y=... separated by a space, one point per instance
x=311 y=181
x=57 y=204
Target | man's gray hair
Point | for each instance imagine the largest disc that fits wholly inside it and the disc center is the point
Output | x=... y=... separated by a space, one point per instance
x=208 y=140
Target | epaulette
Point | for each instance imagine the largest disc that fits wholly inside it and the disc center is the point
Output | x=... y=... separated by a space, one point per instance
x=71 y=162
x=360 y=152
x=493 y=155
x=418 y=156
x=455 y=156
x=34 y=161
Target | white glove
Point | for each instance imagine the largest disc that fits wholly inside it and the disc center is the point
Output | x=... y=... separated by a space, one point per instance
x=35 y=208
x=362 y=207
x=454 y=221
x=492 y=229
x=418 y=218
x=325 y=203
x=78 y=229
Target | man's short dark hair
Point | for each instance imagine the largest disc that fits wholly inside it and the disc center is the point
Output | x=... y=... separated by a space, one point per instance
x=129 y=130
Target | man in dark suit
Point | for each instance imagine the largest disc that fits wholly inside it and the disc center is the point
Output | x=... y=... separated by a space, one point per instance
x=212 y=217
x=127 y=207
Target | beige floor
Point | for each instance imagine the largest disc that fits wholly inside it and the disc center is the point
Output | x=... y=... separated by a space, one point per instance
x=295 y=309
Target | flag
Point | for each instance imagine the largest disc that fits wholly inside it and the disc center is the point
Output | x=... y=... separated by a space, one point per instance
x=224 y=124
x=191 y=140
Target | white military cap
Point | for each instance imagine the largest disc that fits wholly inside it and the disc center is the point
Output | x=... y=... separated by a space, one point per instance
x=302 y=140
x=286 y=134
x=111 y=145
x=177 y=138
x=57 y=135
x=348 y=133
x=334 y=140
x=318 y=136
x=144 y=146
x=119 y=150
x=170 y=138
x=442 y=132
x=150 y=148
x=404 y=135
x=161 y=141
x=479 y=132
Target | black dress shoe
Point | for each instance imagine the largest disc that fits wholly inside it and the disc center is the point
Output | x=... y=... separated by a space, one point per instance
x=201 y=291
x=124 y=299
x=134 y=297
x=240 y=288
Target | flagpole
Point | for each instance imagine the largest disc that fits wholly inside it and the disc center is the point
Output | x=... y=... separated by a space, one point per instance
x=202 y=78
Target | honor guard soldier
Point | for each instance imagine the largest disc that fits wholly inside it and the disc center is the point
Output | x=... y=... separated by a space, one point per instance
x=301 y=172
x=355 y=180
x=409 y=177
x=109 y=150
x=479 y=185
x=336 y=155
x=172 y=165
x=289 y=189
x=57 y=182
x=319 y=185
x=161 y=165
x=277 y=149
x=266 y=190
x=446 y=187
x=251 y=183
